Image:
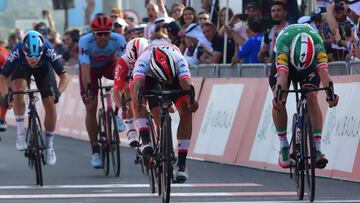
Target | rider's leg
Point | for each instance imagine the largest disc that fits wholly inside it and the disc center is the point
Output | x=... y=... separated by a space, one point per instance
x=184 y=131
x=19 y=104
x=50 y=120
x=315 y=117
x=280 y=121
x=91 y=124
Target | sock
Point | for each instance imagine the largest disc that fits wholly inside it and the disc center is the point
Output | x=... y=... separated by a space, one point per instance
x=20 y=128
x=183 y=147
x=95 y=147
x=282 y=137
x=49 y=138
x=3 y=111
x=129 y=124
x=317 y=139
x=143 y=126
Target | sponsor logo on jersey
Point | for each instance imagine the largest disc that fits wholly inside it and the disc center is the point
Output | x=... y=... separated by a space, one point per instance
x=52 y=54
x=14 y=55
x=282 y=59
x=322 y=57
x=84 y=51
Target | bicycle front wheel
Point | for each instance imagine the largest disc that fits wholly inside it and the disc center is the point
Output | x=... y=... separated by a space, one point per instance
x=310 y=153
x=167 y=151
x=114 y=145
x=152 y=166
x=36 y=150
x=102 y=141
x=296 y=168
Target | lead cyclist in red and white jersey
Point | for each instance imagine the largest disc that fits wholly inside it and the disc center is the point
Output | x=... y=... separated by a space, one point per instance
x=163 y=63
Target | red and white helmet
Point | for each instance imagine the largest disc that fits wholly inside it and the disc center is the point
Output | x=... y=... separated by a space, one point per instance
x=162 y=64
x=135 y=47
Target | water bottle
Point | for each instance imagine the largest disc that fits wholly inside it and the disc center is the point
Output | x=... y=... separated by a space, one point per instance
x=120 y=122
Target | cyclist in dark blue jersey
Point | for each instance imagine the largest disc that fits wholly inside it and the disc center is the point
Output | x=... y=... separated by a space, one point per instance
x=34 y=56
x=98 y=52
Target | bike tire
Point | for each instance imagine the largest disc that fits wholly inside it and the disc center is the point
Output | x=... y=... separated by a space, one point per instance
x=37 y=151
x=114 y=144
x=310 y=153
x=102 y=141
x=151 y=169
x=298 y=173
x=167 y=172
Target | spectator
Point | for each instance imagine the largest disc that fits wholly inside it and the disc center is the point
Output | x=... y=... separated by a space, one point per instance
x=195 y=41
x=249 y=50
x=222 y=14
x=173 y=29
x=55 y=39
x=278 y=16
x=153 y=12
x=115 y=14
x=189 y=16
x=237 y=25
x=11 y=41
x=212 y=7
x=203 y=17
x=177 y=11
x=71 y=46
x=342 y=29
x=120 y=26
x=161 y=34
x=211 y=33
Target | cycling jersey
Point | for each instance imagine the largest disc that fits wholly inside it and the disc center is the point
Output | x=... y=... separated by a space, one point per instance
x=17 y=58
x=91 y=53
x=142 y=65
x=283 y=42
x=122 y=70
x=4 y=53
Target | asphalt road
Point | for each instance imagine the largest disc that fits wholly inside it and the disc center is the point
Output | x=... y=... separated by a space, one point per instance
x=73 y=180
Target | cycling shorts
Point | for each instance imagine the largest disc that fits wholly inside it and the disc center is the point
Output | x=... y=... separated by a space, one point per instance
x=44 y=77
x=95 y=73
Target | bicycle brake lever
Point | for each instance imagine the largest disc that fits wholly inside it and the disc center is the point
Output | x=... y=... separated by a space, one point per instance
x=331 y=94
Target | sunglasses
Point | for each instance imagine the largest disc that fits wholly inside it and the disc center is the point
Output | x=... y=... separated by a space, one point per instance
x=113 y=16
x=116 y=25
x=100 y=34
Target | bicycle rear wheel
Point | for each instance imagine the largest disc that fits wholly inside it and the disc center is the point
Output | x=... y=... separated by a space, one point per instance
x=167 y=148
x=310 y=157
x=102 y=140
x=114 y=145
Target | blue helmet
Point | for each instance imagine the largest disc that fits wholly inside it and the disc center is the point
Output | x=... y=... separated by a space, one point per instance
x=33 y=44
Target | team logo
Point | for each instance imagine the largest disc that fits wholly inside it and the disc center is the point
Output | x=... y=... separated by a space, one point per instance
x=322 y=57
x=282 y=59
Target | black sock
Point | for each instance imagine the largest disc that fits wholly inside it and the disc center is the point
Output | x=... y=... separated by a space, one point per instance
x=144 y=134
x=95 y=147
x=182 y=158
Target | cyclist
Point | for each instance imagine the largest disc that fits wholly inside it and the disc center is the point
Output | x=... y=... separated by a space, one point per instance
x=164 y=64
x=303 y=47
x=34 y=56
x=123 y=74
x=98 y=51
x=4 y=53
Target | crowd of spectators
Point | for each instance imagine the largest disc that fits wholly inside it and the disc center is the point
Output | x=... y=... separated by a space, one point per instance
x=200 y=34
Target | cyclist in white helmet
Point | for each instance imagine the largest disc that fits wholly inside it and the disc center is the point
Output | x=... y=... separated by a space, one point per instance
x=123 y=75
x=164 y=64
x=303 y=47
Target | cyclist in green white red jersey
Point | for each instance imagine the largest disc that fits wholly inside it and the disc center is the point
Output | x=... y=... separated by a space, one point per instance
x=303 y=47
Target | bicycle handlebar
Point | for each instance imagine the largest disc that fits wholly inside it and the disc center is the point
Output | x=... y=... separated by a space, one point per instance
x=165 y=93
x=330 y=92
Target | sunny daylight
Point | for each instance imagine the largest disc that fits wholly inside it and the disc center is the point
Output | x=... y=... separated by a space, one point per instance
x=191 y=101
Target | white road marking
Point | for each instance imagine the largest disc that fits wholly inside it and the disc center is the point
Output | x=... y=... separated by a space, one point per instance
x=295 y=201
x=131 y=186
x=101 y=195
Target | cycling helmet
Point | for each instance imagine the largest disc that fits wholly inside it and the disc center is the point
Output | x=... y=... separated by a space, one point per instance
x=302 y=51
x=135 y=47
x=162 y=64
x=101 y=23
x=33 y=44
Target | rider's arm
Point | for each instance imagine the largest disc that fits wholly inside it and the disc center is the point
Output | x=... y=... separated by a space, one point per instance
x=84 y=60
x=3 y=85
x=64 y=81
x=121 y=71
